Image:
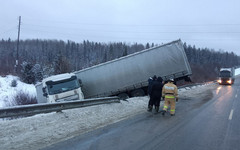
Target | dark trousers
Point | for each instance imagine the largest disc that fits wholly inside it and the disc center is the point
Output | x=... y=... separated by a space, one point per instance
x=154 y=100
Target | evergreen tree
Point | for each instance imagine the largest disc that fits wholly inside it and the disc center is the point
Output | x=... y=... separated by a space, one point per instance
x=147 y=46
x=27 y=75
x=48 y=70
x=111 y=52
x=152 y=45
x=38 y=72
x=61 y=65
x=125 y=52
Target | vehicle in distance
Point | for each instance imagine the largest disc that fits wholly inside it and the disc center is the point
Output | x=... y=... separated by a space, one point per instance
x=226 y=76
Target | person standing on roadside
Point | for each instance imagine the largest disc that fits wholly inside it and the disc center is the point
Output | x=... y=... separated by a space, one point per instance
x=170 y=94
x=150 y=83
x=156 y=94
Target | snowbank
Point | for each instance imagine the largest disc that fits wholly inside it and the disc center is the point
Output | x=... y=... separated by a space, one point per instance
x=7 y=92
x=42 y=130
x=237 y=71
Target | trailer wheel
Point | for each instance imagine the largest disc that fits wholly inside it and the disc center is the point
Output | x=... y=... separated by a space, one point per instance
x=137 y=92
x=123 y=96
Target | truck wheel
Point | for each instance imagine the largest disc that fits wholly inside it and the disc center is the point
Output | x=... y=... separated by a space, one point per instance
x=138 y=92
x=123 y=96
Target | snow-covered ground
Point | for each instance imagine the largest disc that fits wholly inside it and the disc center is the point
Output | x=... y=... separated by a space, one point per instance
x=7 y=93
x=42 y=130
x=237 y=71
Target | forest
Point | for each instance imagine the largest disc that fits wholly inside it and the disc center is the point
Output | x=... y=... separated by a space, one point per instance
x=38 y=59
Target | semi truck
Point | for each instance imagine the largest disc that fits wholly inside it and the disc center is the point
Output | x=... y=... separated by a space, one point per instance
x=226 y=76
x=126 y=76
x=58 y=88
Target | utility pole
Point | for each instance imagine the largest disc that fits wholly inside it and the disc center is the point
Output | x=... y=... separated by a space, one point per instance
x=19 y=24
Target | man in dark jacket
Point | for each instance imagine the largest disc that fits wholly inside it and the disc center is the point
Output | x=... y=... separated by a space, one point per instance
x=150 y=83
x=155 y=93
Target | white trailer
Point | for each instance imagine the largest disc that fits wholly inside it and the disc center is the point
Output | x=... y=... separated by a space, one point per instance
x=127 y=76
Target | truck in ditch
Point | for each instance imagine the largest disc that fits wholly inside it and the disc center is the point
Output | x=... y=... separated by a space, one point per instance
x=58 y=88
x=124 y=77
x=226 y=76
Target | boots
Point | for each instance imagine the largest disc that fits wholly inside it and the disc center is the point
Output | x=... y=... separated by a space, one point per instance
x=156 y=109
x=150 y=108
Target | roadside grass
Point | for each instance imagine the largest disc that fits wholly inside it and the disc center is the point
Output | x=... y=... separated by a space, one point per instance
x=22 y=98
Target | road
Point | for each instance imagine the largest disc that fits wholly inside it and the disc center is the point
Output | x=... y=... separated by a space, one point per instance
x=208 y=122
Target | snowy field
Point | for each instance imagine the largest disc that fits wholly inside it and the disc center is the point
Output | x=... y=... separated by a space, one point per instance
x=42 y=130
x=7 y=93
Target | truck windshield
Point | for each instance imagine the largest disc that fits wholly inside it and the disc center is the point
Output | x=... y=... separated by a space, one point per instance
x=62 y=86
x=225 y=74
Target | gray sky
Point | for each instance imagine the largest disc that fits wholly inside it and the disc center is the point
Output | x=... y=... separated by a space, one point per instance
x=204 y=23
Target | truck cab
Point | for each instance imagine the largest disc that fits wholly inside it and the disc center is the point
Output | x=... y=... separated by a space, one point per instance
x=62 y=87
x=226 y=76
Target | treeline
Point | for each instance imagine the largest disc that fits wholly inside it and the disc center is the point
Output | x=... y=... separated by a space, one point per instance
x=206 y=63
x=48 y=57
x=48 y=52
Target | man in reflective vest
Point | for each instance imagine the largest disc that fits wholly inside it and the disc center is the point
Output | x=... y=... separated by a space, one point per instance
x=170 y=94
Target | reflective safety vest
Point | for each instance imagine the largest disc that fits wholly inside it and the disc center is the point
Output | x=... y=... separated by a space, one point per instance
x=169 y=96
x=170 y=90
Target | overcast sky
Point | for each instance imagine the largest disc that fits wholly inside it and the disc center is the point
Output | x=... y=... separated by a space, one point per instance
x=213 y=24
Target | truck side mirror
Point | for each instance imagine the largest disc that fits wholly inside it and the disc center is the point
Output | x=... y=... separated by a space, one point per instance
x=45 y=95
x=80 y=82
x=44 y=92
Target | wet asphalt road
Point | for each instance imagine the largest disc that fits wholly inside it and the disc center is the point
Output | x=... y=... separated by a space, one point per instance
x=208 y=122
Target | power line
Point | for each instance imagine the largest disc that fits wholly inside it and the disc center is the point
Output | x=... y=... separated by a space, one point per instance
x=117 y=24
x=127 y=37
x=10 y=29
x=130 y=31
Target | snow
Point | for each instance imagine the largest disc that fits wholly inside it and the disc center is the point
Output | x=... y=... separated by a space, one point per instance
x=42 y=130
x=237 y=71
x=7 y=93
